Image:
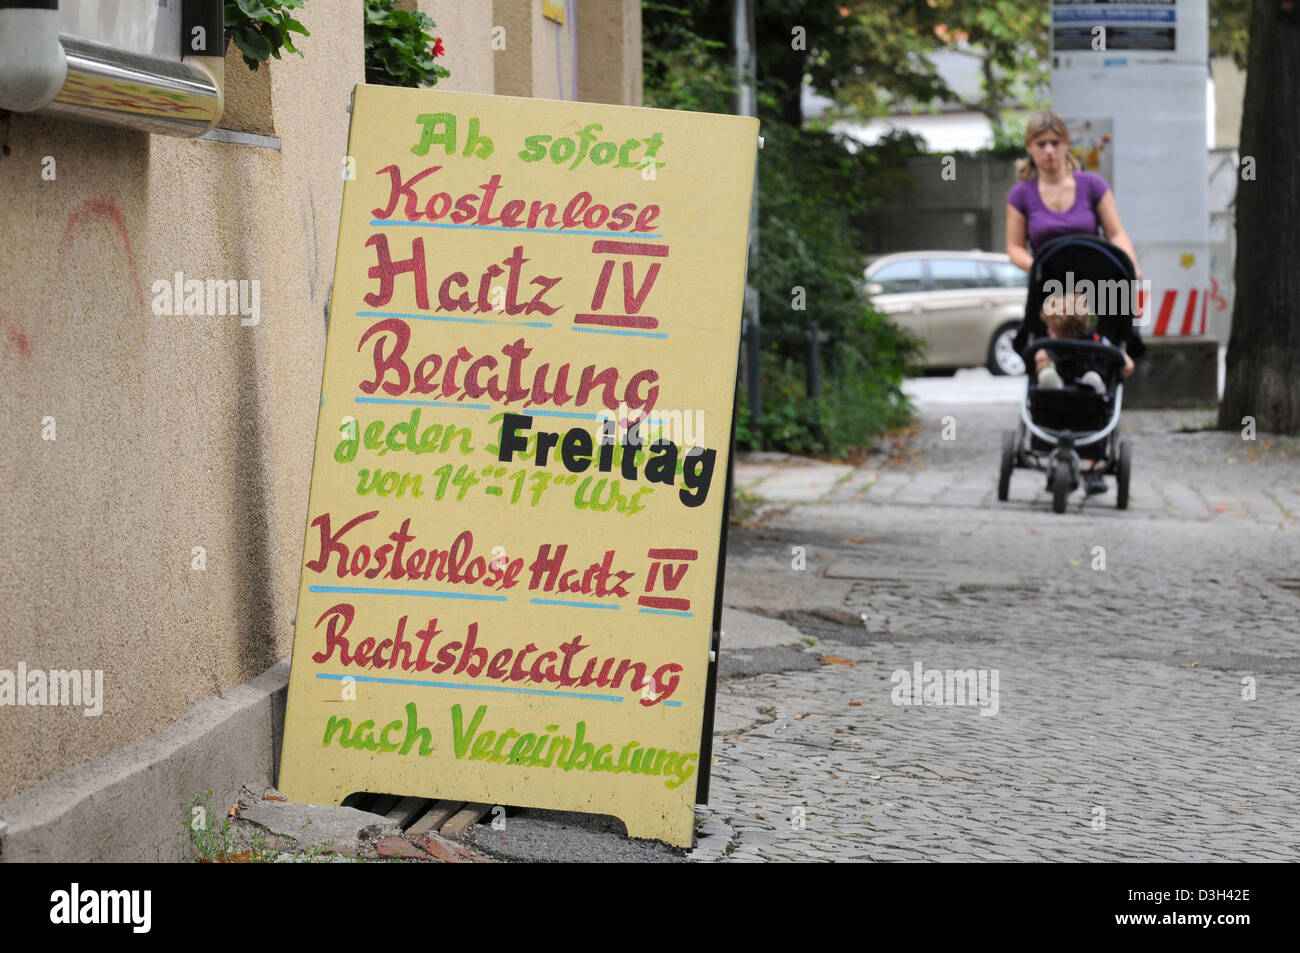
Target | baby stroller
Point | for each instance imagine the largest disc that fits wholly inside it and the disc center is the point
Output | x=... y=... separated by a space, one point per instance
x=1062 y=427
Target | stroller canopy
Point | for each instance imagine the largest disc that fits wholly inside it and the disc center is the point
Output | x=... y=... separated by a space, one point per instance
x=1086 y=263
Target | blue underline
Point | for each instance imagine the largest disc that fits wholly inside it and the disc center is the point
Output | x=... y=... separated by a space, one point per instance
x=477 y=688
x=688 y=615
x=361 y=590
x=453 y=404
x=639 y=334
x=421 y=403
x=504 y=228
x=580 y=605
x=434 y=317
x=559 y=413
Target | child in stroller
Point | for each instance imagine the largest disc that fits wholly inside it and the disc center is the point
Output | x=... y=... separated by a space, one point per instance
x=1065 y=418
x=1068 y=317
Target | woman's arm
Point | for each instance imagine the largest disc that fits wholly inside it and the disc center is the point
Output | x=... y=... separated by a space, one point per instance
x=1016 y=249
x=1114 y=229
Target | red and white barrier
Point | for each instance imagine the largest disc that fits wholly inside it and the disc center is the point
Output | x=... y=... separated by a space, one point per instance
x=1181 y=311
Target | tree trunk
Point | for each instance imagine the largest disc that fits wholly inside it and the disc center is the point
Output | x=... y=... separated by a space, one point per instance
x=1263 y=379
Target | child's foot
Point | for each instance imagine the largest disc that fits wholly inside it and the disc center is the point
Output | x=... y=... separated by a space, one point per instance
x=1049 y=378
x=1093 y=380
x=1094 y=482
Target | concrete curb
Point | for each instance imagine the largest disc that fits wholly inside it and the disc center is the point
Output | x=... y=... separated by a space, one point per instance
x=133 y=804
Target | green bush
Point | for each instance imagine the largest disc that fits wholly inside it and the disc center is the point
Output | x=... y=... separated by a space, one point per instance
x=813 y=196
x=261 y=28
x=681 y=69
x=400 y=50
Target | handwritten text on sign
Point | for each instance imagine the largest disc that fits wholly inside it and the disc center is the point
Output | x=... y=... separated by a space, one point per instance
x=513 y=528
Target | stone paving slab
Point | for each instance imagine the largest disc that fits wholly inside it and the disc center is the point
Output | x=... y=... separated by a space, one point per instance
x=794 y=483
x=1148 y=705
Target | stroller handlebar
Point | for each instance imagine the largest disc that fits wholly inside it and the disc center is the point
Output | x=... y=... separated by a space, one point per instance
x=1079 y=347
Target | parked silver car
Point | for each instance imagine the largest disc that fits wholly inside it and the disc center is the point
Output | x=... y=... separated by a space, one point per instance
x=966 y=305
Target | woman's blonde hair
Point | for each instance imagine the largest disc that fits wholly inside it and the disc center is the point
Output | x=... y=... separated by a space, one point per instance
x=1040 y=123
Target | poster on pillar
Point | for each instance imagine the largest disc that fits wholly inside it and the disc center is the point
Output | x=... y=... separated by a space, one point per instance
x=517 y=496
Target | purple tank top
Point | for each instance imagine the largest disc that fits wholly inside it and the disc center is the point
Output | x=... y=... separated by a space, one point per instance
x=1043 y=224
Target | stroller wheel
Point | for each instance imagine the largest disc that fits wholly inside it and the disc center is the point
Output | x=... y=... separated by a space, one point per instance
x=1123 y=467
x=1060 y=485
x=1009 y=448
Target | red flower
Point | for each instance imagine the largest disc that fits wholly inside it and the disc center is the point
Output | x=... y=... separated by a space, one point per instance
x=437 y=47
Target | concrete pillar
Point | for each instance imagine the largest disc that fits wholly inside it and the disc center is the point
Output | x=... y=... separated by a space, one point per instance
x=513 y=66
x=609 y=43
x=580 y=50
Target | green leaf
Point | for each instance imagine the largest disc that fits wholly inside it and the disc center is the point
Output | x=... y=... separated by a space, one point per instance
x=253 y=9
x=253 y=45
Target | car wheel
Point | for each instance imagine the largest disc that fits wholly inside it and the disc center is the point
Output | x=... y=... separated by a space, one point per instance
x=1003 y=359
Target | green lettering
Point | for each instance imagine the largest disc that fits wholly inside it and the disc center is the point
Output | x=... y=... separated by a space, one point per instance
x=461 y=739
x=521 y=748
x=625 y=151
x=413 y=732
x=622 y=756
x=534 y=148
x=483 y=746
x=337 y=724
x=359 y=742
x=429 y=136
x=347 y=448
x=498 y=755
x=684 y=771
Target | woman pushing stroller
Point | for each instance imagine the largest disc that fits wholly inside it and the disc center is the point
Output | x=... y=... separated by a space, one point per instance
x=1079 y=354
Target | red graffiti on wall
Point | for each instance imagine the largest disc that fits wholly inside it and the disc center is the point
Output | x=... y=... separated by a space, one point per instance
x=16 y=336
x=1219 y=301
x=102 y=210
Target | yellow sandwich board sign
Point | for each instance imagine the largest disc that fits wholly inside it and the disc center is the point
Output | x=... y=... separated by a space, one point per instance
x=514 y=521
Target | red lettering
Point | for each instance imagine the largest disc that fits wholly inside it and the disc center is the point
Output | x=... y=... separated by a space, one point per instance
x=387 y=270
x=399 y=189
x=329 y=543
x=401 y=338
x=342 y=613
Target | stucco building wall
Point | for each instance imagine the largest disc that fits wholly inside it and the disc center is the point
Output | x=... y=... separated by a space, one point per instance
x=171 y=432
x=174 y=432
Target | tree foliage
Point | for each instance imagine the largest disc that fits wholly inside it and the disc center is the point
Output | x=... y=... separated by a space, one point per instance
x=871 y=55
x=1230 y=30
x=813 y=197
